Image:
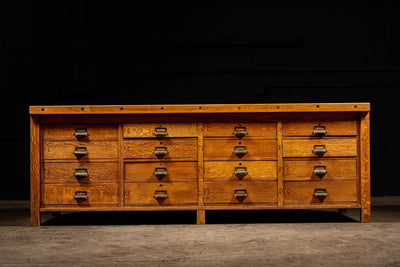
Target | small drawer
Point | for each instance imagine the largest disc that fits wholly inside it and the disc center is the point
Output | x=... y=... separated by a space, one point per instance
x=240 y=171
x=84 y=173
x=320 y=128
x=157 y=172
x=217 y=149
x=168 y=149
x=73 y=150
x=161 y=193
x=332 y=147
x=86 y=195
x=324 y=192
x=240 y=192
x=324 y=169
x=160 y=130
x=80 y=132
x=240 y=130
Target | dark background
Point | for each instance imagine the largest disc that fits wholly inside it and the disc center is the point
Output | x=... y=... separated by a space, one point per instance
x=87 y=52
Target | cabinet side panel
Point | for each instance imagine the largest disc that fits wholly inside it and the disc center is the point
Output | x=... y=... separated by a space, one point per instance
x=35 y=170
x=365 y=169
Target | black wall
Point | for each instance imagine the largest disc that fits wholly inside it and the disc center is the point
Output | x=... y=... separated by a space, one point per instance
x=86 y=52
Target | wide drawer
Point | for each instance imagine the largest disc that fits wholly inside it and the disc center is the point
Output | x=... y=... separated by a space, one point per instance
x=161 y=193
x=68 y=172
x=316 y=192
x=177 y=149
x=160 y=171
x=320 y=169
x=320 y=128
x=160 y=130
x=333 y=147
x=86 y=195
x=240 y=192
x=242 y=170
x=73 y=150
x=217 y=149
x=240 y=130
x=81 y=132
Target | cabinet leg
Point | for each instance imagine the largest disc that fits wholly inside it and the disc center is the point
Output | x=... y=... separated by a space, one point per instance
x=35 y=218
x=365 y=214
x=201 y=216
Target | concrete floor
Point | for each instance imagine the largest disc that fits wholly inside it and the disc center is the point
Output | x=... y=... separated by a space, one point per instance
x=262 y=238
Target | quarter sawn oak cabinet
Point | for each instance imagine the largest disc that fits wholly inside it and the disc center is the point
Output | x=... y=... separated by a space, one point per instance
x=200 y=157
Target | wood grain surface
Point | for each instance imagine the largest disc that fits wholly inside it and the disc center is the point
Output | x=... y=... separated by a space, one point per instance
x=65 y=132
x=224 y=170
x=264 y=130
x=146 y=130
x=64 y=150
x=333 y=128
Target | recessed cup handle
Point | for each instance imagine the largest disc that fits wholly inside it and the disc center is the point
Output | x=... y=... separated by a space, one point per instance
x=161 y=195
x=81 y=173
x=160 y=131
x=320 y=171
x=240 y=193
x=160 y=151
x=240 y=131
x=240 y=172
x=319 y=150
x=81 y=133
x=320 y=193
x=160 y=172
x=240 y=151
x=319 y=130
x=81 y=151
x=81 y=195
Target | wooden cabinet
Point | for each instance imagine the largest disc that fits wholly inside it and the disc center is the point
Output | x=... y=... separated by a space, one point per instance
x=200 y=157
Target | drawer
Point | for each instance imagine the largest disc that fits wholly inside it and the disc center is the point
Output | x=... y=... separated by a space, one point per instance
x=217 y=149
x=81 y=132
x=320 y=128
x=315 y=192
x=160 y=130
x=324 y=169
x=332 y=147
x=240 y=130
x=160 y=171
x=161 y=193
x=177 y=149
x=69 y=172
x=86 y=195
x=240 y=171
x=73 y=150
x=240 y=192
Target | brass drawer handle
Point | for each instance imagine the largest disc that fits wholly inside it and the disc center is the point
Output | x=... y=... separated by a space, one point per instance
x=240 y=151
x=319 y=149
x=81 y=195
x=240 y=131
x=320 y=171
x=320 y=193
x=81 y=151
x=319 y=130
x=160 y=151
x=240 y=172
x=81 y=133
x=161 y=195
x=81 y=173
x=240 y=193
x=160 y=172
x=160 y=131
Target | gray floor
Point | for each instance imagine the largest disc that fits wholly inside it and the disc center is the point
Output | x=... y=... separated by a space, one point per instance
x=262 y=238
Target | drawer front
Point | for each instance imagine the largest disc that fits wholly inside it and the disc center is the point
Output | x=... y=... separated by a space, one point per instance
x=160 y=130
x=240 y=171
x=72 y=150
x=87 y=195
x=325 y=192
x=324 y=169
x=84 y=173
x=160 y=171
x=322 y=128
x=333 y=147
x=215 y=149
x=240 y=192
x=81 y=132
x=161 y=193
x=240 y=130
x=177 y=149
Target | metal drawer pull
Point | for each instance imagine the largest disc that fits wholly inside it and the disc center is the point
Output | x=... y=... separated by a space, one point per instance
x=160 y=151
x=161 y=195
x=160 y=172
x=240 y=193
x=319 y=149
x=240 y=151
x=160 y=131
x=320 y=171
x=81 y=195
x=240 y=131
x=81 y=133
x=240 y=172
x=320 y=193
x=319 y=130
x=81 y=151
x=81 y=173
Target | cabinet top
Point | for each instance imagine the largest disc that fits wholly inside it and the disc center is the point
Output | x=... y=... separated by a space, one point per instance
x=200 y=108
